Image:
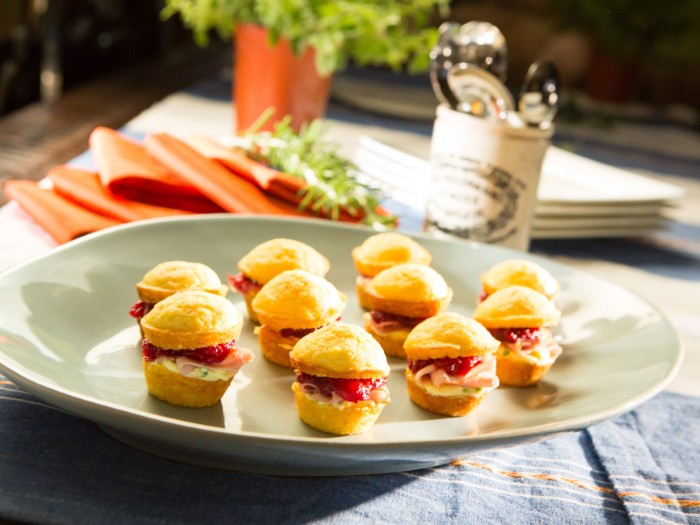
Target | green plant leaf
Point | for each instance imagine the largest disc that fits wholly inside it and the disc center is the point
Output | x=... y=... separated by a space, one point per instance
x=385 y=32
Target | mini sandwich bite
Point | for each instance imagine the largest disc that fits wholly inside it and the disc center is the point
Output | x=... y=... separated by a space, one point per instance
x=451 y=364
x=341 y=379
x=519 y=318
x=382 y=251
x=188 y=352
x=170 y=277
x=520 y=272
x=269 y=259
x=400 y=297
x=290 y=306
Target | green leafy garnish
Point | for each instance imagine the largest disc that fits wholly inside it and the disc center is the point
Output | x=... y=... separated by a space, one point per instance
x=333 y=186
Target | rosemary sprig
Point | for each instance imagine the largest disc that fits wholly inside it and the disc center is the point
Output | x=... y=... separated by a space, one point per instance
x=333 y=184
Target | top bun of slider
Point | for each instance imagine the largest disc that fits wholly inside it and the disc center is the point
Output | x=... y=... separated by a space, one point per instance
x=192 y=319
x=340 y=350
x=519 y=272
x=275 y=256
x=169 y=277
x=412 y=290
x=298 y=299
x=516 y=307
x=451 y=335
x=384 y=250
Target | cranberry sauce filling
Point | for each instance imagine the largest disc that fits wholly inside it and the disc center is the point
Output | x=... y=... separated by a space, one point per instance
x=299 y=332
x=140 y=309
x=454 y=366
x=242 y=283
x=511 y=335
x=208 y=355
x=296 y=332
x=379 y=317
x=352 y=390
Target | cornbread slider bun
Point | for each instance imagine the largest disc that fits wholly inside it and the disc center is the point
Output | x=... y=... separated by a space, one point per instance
x=290 y=306
x=341 y=379
x=382 y=251
x=519 y=317
x=188 y=352
x=269 y=259
x=451 y=364
x=400 y=297
x=518 y=272
x=170 y=277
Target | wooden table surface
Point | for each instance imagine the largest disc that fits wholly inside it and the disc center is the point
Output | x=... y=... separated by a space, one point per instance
x=40 y=136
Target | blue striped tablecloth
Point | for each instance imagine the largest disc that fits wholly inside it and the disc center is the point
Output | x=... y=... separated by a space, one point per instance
x=641 y=467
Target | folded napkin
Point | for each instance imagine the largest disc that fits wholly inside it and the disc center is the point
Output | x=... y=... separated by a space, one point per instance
x=266 y=178
x=127 y=170
x=160 y=177
x=61 y=218
x=84 y=188
x=231 y=192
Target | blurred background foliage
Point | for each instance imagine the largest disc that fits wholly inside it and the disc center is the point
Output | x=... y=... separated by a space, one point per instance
x=99 y=36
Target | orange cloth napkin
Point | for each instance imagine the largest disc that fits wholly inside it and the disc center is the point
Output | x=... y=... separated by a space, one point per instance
x=164 y=176
x=85 y=189
x=61 y=218
x=268 y=179
x=127 y=170
x=228 y=190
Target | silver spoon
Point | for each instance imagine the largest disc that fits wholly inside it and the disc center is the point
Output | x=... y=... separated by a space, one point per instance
x=482 y=44
x=479 y=92
x=479 y=44
x=441 y=61
x=539 y=96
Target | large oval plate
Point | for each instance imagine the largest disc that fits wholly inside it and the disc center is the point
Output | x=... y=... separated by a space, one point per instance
x=66 y=337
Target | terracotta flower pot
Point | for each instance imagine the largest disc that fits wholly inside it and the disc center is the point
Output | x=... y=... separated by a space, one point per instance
x=267 y=76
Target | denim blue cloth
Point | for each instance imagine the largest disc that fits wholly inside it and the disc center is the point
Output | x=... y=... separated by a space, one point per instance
x=642 y=467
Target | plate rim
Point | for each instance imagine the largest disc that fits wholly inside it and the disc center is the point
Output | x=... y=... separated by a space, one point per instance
x=553 y=428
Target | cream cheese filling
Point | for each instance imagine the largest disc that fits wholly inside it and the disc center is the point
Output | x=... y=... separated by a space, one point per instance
x=199 y=372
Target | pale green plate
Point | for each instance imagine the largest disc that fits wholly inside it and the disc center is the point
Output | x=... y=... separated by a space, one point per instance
x=66 y=337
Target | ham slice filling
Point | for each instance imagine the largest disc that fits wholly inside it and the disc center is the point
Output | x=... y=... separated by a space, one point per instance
x=140 y=309
x=481 y=375
x=230 y=360
x=529 y=341
x=339 y=390
x=384 y=322
x=232 y=364
x=244 y=284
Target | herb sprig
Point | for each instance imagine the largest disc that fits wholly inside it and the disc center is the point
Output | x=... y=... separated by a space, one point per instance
x=333 y=181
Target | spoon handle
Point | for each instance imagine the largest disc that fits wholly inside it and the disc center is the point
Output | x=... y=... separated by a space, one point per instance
x=539 y=96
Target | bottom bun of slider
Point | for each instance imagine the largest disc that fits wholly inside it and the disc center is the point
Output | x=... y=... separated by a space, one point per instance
x=454 y=405
x=391 y=340
x=514 y=370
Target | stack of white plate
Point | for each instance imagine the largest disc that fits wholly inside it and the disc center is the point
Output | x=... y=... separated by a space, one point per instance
x=577 y=197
